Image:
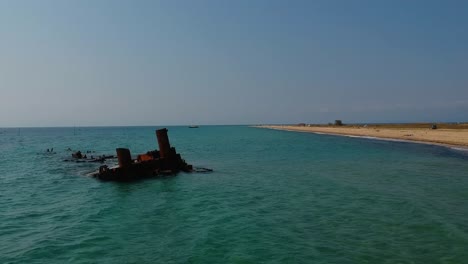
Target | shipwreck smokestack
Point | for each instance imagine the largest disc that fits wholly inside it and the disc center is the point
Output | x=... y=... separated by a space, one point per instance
x=163 y=142
x=124 y=157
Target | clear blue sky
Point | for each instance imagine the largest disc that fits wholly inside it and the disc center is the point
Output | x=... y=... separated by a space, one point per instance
x=88 y=62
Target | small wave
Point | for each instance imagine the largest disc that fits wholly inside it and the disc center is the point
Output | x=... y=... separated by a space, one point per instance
x=458 y=148
x=461 y=149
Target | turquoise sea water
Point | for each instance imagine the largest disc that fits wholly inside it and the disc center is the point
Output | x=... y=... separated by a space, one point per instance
x=275 y=197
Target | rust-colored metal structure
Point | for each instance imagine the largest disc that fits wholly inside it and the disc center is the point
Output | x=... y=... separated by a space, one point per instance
x=153 y=163
x=163 y=142
x=124 y=157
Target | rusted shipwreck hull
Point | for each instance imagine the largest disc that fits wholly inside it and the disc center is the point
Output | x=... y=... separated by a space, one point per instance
x=155 y=163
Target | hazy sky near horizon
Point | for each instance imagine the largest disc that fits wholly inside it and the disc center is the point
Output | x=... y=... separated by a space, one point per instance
x=87 y=63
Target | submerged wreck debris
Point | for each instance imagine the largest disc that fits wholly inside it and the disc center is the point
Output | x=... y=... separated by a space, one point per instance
x=78 y=157
x=154 y=163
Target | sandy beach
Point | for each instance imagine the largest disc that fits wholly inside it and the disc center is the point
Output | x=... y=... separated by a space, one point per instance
x=442 y=136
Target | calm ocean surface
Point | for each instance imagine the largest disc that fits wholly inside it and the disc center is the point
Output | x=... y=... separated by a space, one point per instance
x=275 y=197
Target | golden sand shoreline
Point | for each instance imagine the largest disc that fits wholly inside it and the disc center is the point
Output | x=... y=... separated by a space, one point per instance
x=445 y=137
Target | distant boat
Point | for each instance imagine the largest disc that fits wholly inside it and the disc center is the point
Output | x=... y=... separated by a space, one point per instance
x=193 y=126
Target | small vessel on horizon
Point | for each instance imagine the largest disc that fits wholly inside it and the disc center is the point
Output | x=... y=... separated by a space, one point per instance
x=193 y=126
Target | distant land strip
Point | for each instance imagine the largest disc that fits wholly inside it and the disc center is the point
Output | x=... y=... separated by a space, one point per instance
x=455 y=135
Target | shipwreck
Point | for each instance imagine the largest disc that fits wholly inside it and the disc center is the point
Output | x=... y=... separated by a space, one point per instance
x=165 y=161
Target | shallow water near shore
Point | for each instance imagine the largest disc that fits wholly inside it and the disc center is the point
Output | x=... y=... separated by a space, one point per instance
x=274 y=197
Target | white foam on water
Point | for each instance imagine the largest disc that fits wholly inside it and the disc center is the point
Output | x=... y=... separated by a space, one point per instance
x=462 y=149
